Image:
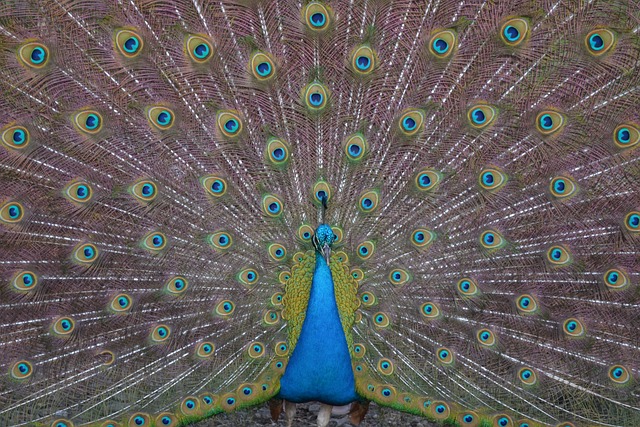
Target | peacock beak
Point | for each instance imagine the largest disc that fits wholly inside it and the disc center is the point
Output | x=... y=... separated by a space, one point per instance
x=326 y=252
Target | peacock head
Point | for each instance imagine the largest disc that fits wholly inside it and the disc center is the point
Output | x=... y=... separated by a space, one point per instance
x=323 y=240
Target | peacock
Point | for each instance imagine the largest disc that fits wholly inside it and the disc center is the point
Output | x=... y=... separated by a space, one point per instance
x=215 y=206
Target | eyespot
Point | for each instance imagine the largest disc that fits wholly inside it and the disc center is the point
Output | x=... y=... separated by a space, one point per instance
x=386 y=392
x=279 y=365
x=246 y=391
x=366 y=249
x=321 y=190
x=139 y=419
x=214 y=185
x=16 y=137
x=626 y=136
x=619 y=374
x=368 y=201
x=514 y=31
x=359 y=350
x=549 y=122
x=355 y=147
x=21 y=370
x=160 y=333
x=229 y=123
x=502 y=420
x=486 y=337
x=282 y=349
x=363 y=60
x=317 y=17
x=399 y=277
x=427 y=179
x=225 y=308
x=145 y=191
x=78 y=192
x=61 y=422
x=558 y=255
x=492 y=179
x=481 y=116
x=632 y=221
x=284 y=277
x=154 y=241
x=166 y=419
x=208 y=400
x=381 y=320
x=573 y=327
x=316 y=96
x=305 y=232
x=440 y=410
x=190 y=405
x=469 y=419
x=89 y=121
x=85 y=253
x=467 y=287
x=430 y=310
x=121 y=303
x=11 y=212
x=63 y=326
x=25 y=281
x=527 y=376
x=255 y=350
x=422 y=238
x=271 y=317
x=108 y=356
x=34 y=55
x=248 y=277
x=411 y=122
x=562 y=187
x=129 y=43
x=277 y=251
x=357 y=274
x=277 y=152
x=337 y=231
x=524 y=423
x=368 y=299
x=341 y=256
x=272 y=206
x=385 y=366
x=527 y=304
x=491 y=239
x=262 y=67
x=599 y=41
x=161 y=118
x=176 y=285
x=220 y=240
x=228 y=402
x=443 y=43
x=276 y=299
x=616 y=279
x=199 y=49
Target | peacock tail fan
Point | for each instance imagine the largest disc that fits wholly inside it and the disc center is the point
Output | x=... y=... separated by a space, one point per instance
x=431 y=205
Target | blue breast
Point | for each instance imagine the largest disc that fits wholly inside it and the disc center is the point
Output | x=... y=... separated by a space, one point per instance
x=319 y=368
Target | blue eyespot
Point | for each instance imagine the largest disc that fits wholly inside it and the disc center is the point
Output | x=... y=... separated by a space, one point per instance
x=264 y=69
x=131 y=44
x=27 y=279
x=14 y=211
x=164 y=118
x=572 y=326
x=207 y=400
x=317 y=19
x=231 y=125
x=546 y=122
x=367 y=203
x=624 y=135
x=82 y=191
x=596 y=42
x=201 y=51
x=355 y=150
x=166 y=420
x=478 y=116
x=525 y=302
x=190 y=404
x=488 y=178
x=23 y=368
x=440 y=409
x=123 y=302
x=274 y=207
x=20 y=136
x=633 y=221
x=139 y=421
x=559 y=186
x=409 y=124
x=157 y=240
x=315 y=98
x=147 y=190
x=247 y=391
x=231 y=401
x=162 y=332
x=468 y=418
x=92 y=121
x=511 y=33
x=489 y=238
x=217 y=186
x=88 y=252
x=526 y=374
x=363 y=62
x=556 y=254
x=386 y=392
x=440 y=46
x=38 y=55
x=485 y=336
x=503 y=422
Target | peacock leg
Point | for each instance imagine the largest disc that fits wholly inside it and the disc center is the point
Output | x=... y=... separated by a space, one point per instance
x=324 y=415
x=290 y=412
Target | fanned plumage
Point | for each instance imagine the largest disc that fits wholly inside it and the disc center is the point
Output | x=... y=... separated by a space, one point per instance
x=168 y=167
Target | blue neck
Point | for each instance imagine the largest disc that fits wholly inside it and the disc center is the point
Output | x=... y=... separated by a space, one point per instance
x=320 y=366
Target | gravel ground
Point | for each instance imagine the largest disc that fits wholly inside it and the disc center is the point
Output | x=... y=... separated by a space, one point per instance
x=306 y=417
